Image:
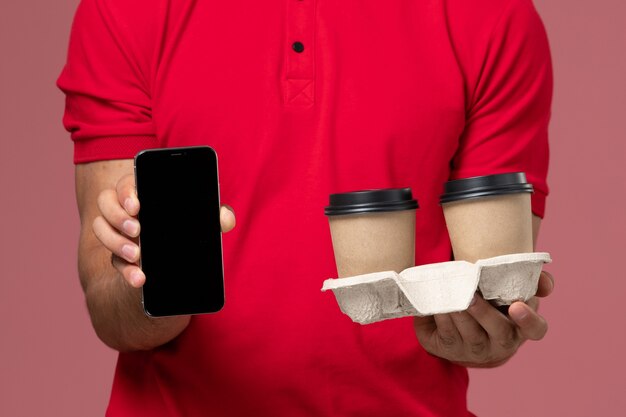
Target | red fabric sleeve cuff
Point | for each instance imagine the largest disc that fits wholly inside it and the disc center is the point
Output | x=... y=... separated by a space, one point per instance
x=111 y=147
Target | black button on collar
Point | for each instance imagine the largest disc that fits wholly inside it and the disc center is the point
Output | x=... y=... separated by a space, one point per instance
x=298 y=47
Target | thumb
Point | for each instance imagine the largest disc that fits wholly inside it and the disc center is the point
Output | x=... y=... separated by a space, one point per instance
x=227 y=218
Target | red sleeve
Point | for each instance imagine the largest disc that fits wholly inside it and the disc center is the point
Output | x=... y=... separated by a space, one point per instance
x=108 y=106
x=509 y=108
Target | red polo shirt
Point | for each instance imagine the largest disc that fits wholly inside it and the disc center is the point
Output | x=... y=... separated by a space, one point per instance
x=302 y=99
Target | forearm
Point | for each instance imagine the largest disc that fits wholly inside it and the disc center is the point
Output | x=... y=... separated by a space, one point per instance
x=115 y=307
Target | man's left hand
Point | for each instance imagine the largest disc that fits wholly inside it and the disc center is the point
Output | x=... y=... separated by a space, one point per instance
x=481 y=336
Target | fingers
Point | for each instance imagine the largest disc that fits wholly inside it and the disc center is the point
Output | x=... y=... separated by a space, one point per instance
x=438 y=336
x=533 y=303
x=131 y=272
x=127 y=195
x=545 y=285
x=501 y=331
x=116 y=215
x=227 y=218
x=447 y=332
x=481 y=336
x=116 y=227
x=115 y=242
x=530 y=324
x=488 y=316
x=474 y=337
x=424 y=326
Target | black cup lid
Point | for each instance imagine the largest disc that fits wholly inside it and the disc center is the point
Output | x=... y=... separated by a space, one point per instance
x=369 y=201
x=485 y=186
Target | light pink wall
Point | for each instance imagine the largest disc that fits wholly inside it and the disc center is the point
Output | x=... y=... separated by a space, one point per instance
x=579 y=369
x=52 y=364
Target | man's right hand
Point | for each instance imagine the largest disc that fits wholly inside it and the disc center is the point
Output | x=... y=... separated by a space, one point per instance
x=117 y=227
x=108 y=257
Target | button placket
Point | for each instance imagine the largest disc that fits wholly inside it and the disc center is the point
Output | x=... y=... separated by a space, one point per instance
x=299 y=81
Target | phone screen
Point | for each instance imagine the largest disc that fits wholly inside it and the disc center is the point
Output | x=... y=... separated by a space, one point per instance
x=180 y=238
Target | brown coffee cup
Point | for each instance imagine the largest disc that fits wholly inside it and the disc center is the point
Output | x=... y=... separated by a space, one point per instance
x=488 y=216
x=372 y=230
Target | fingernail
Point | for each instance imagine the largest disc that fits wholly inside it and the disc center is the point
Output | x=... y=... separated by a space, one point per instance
x=130 y=204
x=129 y=252
x=228 y=215
x=519 y=314
x=135 y=278
x=227 y=219
x=131 y=227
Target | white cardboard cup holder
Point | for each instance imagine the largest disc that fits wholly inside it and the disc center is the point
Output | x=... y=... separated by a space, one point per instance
x=508 y=278
x=437 y=288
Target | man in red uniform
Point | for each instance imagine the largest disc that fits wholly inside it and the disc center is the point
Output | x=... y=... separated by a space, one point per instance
x=300 y=99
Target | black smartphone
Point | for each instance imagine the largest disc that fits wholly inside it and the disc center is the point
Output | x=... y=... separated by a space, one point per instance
x=180 y=237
